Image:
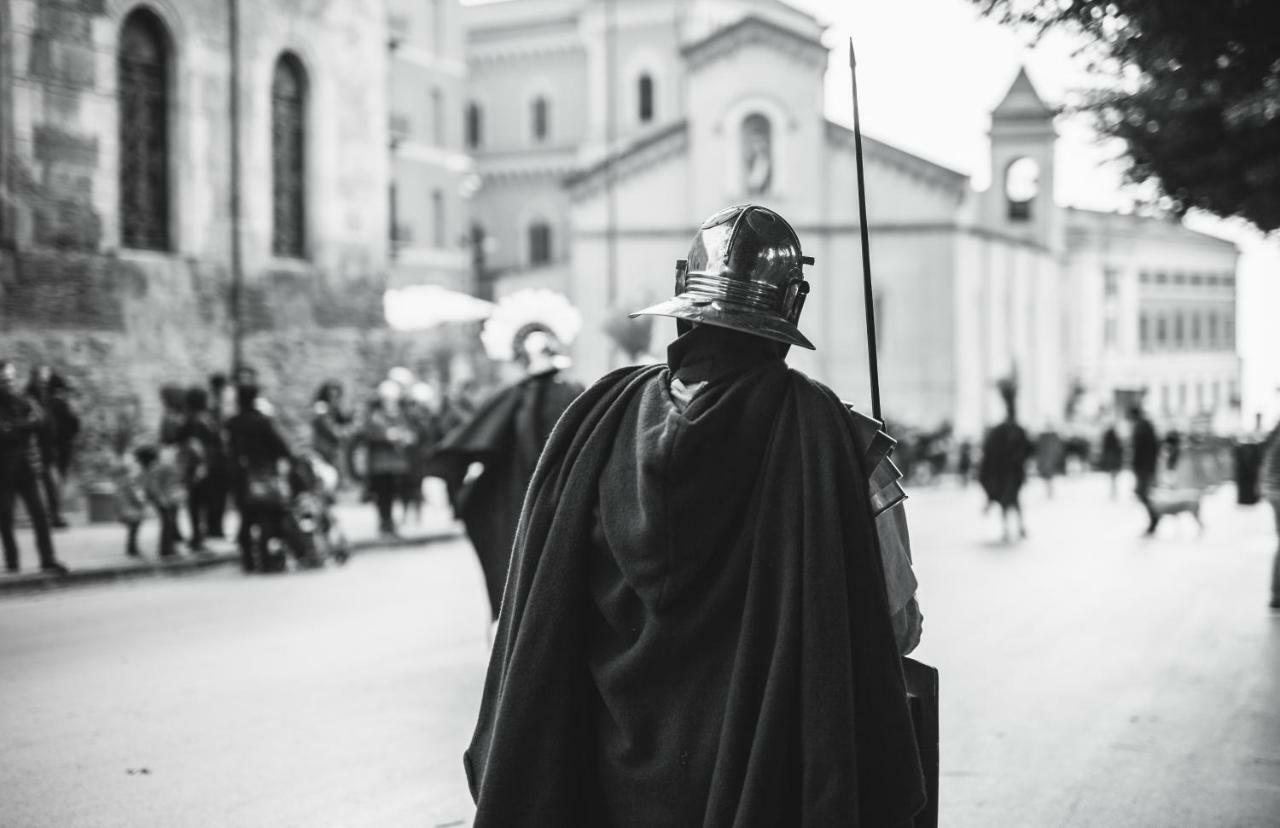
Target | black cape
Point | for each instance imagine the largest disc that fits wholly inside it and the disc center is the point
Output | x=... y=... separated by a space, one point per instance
x=506 y=434
x=695 y=629
x=1004 y=463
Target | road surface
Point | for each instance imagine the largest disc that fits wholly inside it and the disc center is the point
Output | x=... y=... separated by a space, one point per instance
x=1089 y=678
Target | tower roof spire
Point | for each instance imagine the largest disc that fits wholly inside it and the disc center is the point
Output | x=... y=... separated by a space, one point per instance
x=1022 y=101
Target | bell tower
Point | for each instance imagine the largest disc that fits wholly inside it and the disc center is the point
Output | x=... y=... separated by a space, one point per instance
x=1019 y=202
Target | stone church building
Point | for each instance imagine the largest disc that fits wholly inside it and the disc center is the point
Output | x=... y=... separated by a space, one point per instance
x=606 y=132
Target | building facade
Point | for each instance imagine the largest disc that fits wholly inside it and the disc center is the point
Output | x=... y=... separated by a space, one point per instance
x=430 y=173
x=1153 y=309
x=612 y=129
x=136 y=244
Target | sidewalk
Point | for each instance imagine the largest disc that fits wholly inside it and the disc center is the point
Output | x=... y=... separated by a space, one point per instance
x=95 y=552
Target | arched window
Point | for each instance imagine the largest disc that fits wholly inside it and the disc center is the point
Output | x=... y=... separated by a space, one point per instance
x=539 y=243
x=288 y=158
x=541 y=115
x=757 y=154
x=475 y=125
x=1021 y=186
x=142 y=84
x=644 y=98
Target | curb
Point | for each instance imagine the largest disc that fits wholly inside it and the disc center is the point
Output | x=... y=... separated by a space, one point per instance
x=37 y=582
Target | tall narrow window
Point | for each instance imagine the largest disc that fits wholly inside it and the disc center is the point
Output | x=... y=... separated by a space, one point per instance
x=1179 y=331
x=1213 y=329
x=757 y=154
x=437 y=218
x=288 y=158
x=392 y=215
x=1144 y=332
x=539 y=243
x=475 y=125
x=437 y=25
x=644 y=93
x=437 y=116
x=142 y=83
x=540 y=118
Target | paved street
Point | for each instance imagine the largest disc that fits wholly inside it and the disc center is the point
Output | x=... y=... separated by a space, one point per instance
x=1090 y=678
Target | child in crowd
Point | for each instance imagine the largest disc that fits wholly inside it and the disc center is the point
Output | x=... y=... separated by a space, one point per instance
x=163 y=482
x=131 y=500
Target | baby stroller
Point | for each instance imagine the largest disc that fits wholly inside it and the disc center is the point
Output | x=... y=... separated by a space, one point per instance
x=308 y=529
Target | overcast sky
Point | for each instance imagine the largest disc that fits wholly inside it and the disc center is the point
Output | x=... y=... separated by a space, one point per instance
x=929 y=73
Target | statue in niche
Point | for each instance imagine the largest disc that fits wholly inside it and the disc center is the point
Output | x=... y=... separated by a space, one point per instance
x=757 y=154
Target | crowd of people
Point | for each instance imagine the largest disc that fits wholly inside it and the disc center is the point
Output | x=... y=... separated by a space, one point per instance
x=219 y=446
x=1171 y=472
x=223 y=444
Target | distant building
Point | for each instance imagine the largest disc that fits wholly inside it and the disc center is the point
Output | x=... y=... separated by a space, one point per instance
x=1153 y=310
x=609 y=131
x=116 y=198
x=430 y=171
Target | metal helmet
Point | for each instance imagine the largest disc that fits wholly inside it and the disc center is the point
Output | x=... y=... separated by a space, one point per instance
x=744 y=272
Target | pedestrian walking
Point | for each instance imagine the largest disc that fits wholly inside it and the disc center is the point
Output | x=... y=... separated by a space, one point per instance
x=1049 y=457
x=1146 y=454
x=21 y=422
x=162 y=475
x=1111 y=458
x=488 y=461
x=388 y=438
x=1270 y=490
x=1003 y=472
x=256 y=449
x=331 y=425
x=697 y=628
x=131 y=499
x=56 y=436
x=201 y=442
x=964 y=462
x=422 y=410
x=221 y=407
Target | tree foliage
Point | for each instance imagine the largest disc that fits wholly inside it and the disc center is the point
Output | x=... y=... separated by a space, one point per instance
x=1191 y=86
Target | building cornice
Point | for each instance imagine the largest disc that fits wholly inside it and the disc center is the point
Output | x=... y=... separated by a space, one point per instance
x=425 y=59
x=639 y=155
x=935 y=175
x=754 y=31
x=525 y=165
x=1082 y=222
x=429 y=154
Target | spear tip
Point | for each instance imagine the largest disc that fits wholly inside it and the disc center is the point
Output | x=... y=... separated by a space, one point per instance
x=852 y=60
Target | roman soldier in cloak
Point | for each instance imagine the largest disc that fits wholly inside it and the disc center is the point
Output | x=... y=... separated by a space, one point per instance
x=710 y=590
x=487 y=461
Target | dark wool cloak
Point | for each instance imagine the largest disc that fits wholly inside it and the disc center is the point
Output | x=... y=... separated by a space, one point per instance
x=506 y=434
x=695 y=629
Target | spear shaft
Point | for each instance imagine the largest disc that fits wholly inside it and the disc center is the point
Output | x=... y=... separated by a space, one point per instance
x=866 y=244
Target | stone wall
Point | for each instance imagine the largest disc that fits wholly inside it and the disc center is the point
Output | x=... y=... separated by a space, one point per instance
x=118 y=322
